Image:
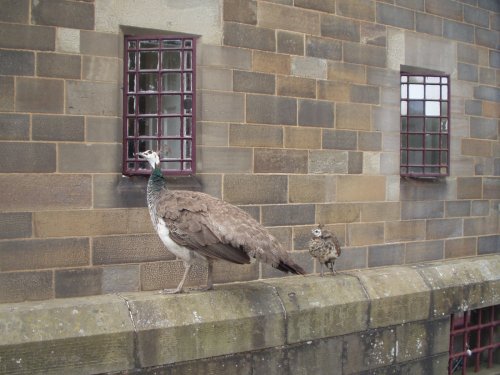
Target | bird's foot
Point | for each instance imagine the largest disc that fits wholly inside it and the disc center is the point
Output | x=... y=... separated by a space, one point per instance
x=203 y=288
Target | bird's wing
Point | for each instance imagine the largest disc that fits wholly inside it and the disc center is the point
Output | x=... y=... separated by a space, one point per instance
x=186 y=215
x=220 y=230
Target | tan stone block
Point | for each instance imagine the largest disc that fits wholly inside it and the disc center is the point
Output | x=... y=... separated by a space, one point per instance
x=353 y=116
x=339 y=71
x=212 y=133
x=92 y=98
x=362 y=234
x=26 y=286
x=92 y=222
x=460 y=247
x=96 y=68
x=310 y=188
x=385 y=211
x=405 y=230
x=28 y=192
x=443 y=228
x=39 y=95
x=328 y=161
x=44 y=253
x=255 y=135
x=476 y=147
x=224 y=160
x=491 y=109
x=337 y=213
x=334 y=91
x=469 y=187
x=271 y=62
x=218 y=106
x=360 y=188
x=424 y=251
x=280 y=161
x=296 y=86
x=305 y=138
x=255 y=189
x=288 y=18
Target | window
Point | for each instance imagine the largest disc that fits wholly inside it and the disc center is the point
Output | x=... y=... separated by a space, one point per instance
x=475 y=341
x=159 y=103
x=425 y=124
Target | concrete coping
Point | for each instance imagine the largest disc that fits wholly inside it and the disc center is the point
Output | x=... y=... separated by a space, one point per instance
x=108 y=333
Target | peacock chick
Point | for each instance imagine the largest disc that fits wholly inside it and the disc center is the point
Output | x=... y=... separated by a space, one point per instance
x=199 y=229
x=325 y=247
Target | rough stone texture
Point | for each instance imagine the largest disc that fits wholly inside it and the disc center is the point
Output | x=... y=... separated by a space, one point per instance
x=26 y=286
x=37 y=157
x=264 y=109
x=292 y=323
x=14 y=127
x=39 y=95
x=56 y=65
x=280 y=161
x=90 y=157
x=255 y=135
x=15 y=225
x=91 y=98
x=240 y=35
x=18 y=63
x=28 y=37
x=255 y=189
x=395 y=16
x=288 y=18
x=57 y=128
x=63 y=13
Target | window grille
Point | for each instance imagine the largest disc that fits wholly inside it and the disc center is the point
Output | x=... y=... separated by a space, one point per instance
x=425 y=125
x=475 y=341
x=159 y=103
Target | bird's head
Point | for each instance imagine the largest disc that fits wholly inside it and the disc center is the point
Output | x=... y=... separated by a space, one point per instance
x=151 y=156
x=316 y=232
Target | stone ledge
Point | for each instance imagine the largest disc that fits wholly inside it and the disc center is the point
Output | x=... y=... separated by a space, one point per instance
x=122 y=332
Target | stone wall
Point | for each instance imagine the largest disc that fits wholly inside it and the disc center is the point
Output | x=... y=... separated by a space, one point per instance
x=386 y=321
x=298 y=122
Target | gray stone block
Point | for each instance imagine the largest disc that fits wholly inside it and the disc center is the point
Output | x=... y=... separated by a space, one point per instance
x=56 y=65
x=458 y=31
x=412 y=4
x=15 y=225
x=224 y=160
x=15 y=12
x=489 y=5
x=476 y=16
x=104 y=129
x=316 y=113
x=119 y=279
x=92 y=98
x=265 y=109
x=467 y=53
x=26 y=286
x=78 y=15
x=361 y=9
x=468 y=72
x=57 y=128
x=424 y=251
x=39 y=95
x=78 y=282
x=243 y=11
x=339 y=139
x=487 y=38
x=365 y=94
x=488 y=244
x=364 y=54
x=99 y=68
x=323 y=48
x=247 y=36
x=40 y=38
x=483 y=128
x=280 y=215
x=255 y=189
x=328 y=161
x=386 y=255
x=221 y=106
x=445 y=8
x=340 y=28
x=370 y=141
x=309 y=67
x=290 y=43
x=7 y=93
x=36 y=157
x=458 y=208
x=253 y=82
x=473 y=107
x=321 y=5
x=17 y=63
x=395 y=16
x=91 y=157
x=426 y=23
x=280 y=161
x=14 y=127
x=355 y=162
x=487 y=93
x=422 y=210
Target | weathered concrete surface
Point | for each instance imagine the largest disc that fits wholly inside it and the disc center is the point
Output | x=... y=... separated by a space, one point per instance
x=77 y=336
x=384 y=320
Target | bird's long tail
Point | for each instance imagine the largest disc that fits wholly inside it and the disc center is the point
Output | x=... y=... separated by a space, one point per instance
x=290 y=266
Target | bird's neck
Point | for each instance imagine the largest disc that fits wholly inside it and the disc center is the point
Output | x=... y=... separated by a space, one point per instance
x=156 y=180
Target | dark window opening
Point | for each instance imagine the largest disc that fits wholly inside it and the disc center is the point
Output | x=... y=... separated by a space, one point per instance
x=475 y=341
x=159 y=103
x=425 y=125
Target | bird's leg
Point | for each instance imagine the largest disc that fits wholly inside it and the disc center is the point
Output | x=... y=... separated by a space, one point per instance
x=180 y=287
x=321 y=269
x=210 y=284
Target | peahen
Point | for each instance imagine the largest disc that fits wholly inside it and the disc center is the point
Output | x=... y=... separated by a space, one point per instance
x=199 y=229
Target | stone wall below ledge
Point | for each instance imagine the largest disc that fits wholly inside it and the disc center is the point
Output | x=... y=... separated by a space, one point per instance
x=392 y=319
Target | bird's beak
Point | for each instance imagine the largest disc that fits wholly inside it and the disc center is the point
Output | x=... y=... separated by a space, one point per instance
x=140 y=155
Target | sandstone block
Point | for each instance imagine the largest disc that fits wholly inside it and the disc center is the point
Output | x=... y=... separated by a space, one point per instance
x=255 y=189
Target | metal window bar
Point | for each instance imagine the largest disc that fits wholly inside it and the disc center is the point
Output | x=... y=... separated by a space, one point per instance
x=425 y=125
x=159 y=102
x=474 y=340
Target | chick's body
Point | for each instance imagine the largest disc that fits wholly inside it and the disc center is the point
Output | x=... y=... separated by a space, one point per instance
x=325 y=247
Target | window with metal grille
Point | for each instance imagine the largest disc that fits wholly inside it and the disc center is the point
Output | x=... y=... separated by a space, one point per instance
x=475 y=341
x=159 y=103
x=425 y=125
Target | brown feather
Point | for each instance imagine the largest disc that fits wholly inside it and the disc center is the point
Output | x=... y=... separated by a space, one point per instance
x=219 y=230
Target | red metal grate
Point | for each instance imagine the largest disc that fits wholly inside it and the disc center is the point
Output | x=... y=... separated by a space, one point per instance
x=425 y=124
x=159 y=102
x=474 y=340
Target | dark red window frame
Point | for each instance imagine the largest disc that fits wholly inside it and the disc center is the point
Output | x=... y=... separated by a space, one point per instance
x=159 y=102
x=474 y=340
x=425 y=125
